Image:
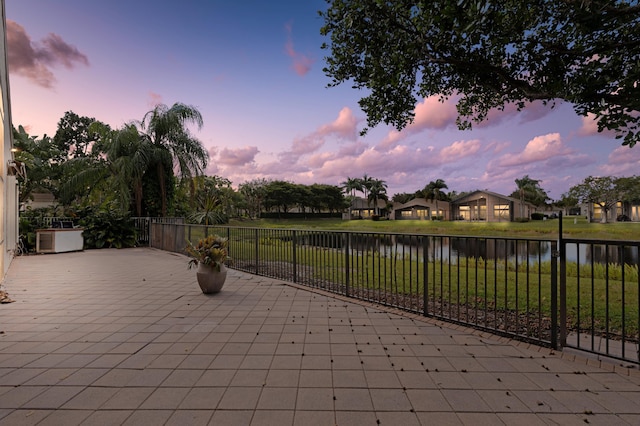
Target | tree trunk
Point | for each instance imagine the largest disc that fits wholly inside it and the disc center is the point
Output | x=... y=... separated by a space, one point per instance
x=163 y=190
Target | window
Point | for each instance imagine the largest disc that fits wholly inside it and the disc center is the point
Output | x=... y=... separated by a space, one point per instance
x=501 y=212
x=465 y=213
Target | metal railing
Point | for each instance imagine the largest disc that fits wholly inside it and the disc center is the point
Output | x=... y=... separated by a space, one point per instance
x=600 y=292
x=573 y=293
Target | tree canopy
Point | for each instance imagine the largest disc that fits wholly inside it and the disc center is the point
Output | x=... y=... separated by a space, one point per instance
x=601 y=191
x=490 y=54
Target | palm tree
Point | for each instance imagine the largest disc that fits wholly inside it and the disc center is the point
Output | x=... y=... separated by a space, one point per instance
x=433 y=192
x=131 y=158
x=377 y=191
x=529 y=190
x=351 y=185
x=171 y=145
x=365 y=185
x=118 y=171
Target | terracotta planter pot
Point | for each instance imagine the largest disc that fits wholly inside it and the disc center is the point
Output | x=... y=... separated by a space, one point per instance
x=210 y=279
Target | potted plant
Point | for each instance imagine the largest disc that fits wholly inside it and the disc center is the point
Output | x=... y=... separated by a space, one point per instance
x=209 y=255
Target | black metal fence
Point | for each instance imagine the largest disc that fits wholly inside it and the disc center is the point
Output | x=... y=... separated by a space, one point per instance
x=574 y=293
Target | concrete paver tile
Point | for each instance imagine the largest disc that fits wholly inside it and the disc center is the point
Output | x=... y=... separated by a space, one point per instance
x=48 y=361
x=240 y=398
x=503 y=401
x=90 y=398
x=168 y=361
x=313 y=418
x=148 y=418
x=349 y=379
x=182 y=378
x=480 y=419
x=316 y=362
x=78 y=361
x=189 y=417
x=398 y=418
x=164 y=398
x=315 y=399
x=127 y=399
x=246 y=378
x=231 y=417
x=315 y=379
x=116 y=377
x=449 y=380
x=352 y=399
x=282 y=378
x=65 y=417
x=272 y=417
x=213 y=378
x=108 y=361
x=149 y=377
x=203 y=398
x=19 y=376
x=390 y=400
x=541 y=401
x=616 y=402
x=196 y=362
x=521 y=419
x=25 y=417
x=256 y=362
x=226 y=361
x=355 y=418
x=53 y=397
x=278 y=399
x=462 y=400
x=428 y=400
x=570 y=419
x=440 y=419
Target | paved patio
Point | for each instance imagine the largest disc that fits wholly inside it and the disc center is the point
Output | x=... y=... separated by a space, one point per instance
x=126 y=337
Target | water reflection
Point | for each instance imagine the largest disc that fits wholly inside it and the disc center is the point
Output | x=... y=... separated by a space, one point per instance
x=452 y=248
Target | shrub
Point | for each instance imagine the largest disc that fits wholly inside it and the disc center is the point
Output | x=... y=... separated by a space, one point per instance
x=537 y=216
x=106 y=228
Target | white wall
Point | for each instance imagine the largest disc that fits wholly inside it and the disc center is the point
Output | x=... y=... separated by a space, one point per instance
x=8 y=188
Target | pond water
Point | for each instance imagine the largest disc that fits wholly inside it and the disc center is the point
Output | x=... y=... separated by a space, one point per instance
x=490 y=249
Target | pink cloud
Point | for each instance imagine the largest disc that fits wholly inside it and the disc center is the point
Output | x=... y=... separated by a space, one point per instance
x=623 y=161
x=589 y=127
x=154 y=99
x=238 y=156
x=344 y=126
x=34 y=60
x=538 y=149
x=532 y=111
x=301 y=62
x=429 y=114
x=433 y=114
x=459 y=150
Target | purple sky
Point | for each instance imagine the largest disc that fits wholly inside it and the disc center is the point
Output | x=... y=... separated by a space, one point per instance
x=254 y=70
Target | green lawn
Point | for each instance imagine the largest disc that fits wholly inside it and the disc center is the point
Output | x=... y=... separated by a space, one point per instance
x=573 y=227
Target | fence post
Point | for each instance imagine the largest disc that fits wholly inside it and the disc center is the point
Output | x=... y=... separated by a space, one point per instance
x=554 y=294
x=563 y=284
x=295 y=264
x=257 y=251
x=347 y=268
x=425 y=275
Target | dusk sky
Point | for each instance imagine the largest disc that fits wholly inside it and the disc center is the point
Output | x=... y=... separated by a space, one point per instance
x=254 y=71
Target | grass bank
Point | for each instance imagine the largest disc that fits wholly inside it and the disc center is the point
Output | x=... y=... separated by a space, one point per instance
x=573 y=227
